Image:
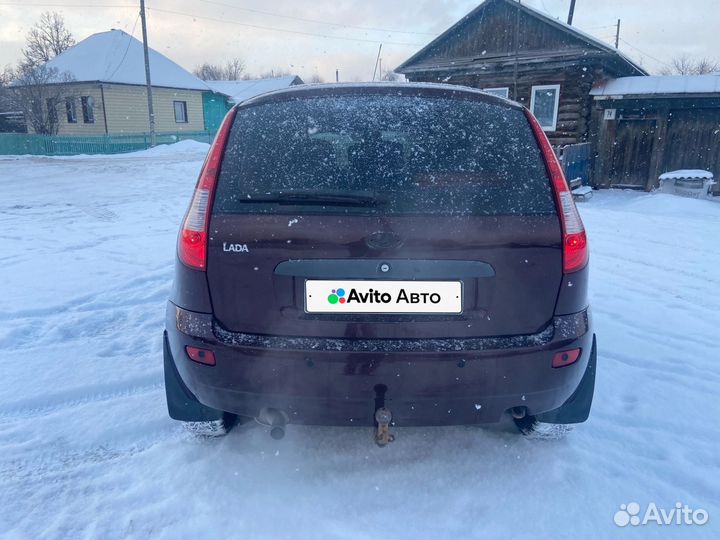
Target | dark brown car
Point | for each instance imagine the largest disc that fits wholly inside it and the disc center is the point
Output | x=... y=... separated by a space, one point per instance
x=375 y=254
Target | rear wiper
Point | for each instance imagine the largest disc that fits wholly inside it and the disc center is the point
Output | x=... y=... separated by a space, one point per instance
x=336 y=198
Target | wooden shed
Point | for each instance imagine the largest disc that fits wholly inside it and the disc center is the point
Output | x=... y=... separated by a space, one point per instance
x=647 y=126
x=515 y=51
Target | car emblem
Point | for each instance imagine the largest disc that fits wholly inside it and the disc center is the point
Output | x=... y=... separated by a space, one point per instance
x=383 y=240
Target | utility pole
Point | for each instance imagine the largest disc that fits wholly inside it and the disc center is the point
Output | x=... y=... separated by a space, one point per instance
x=617 y=35
x=151 y=113
x=381 y=69
x=517 y=51
x=337 y=75
x=571 y=12
x=376 y=61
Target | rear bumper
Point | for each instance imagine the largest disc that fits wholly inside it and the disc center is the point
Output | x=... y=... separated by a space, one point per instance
x=334 y=382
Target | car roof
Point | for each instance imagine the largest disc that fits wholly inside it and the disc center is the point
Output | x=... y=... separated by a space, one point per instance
x=306 y=91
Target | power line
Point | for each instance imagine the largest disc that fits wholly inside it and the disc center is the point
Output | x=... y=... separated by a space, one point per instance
x=316 y=21
x=68 y=5
x=126 y=49
x=275 y=29
x=644 y=53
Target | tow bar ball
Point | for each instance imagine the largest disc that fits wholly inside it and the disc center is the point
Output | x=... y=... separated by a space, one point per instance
x=383 y=417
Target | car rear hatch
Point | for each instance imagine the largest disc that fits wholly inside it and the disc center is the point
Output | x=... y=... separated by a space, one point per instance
x=327 y=201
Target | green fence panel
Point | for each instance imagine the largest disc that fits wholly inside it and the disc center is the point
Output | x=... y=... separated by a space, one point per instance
x=68 y=145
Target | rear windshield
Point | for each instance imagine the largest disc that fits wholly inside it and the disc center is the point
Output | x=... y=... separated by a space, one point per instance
x=383 y=154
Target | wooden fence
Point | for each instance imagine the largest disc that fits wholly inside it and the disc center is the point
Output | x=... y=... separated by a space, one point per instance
x=67 y=145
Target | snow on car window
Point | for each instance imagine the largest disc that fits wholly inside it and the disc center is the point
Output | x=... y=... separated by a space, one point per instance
x=403 y=154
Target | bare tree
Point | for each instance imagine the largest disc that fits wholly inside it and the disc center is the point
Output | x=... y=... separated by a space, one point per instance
x=316 y=78
x=39 y=93
x=233 y=70
x=390 y=76
x=209 y=72
x=274 y=73
x=685 y=65
x=48 y=38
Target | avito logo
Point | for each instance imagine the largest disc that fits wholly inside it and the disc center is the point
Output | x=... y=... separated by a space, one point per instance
x=382 y=296
x=376 y=297
x=337 y=295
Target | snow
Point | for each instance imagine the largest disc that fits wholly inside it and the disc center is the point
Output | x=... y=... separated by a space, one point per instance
x=239 y=91
x=659 y=84
x=87 y=449
x=686 y=173
x=117 y=57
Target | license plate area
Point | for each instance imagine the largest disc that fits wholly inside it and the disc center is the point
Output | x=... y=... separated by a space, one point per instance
x=387 y=297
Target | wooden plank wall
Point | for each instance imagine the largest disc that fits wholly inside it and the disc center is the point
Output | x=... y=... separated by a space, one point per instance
x=575 y=105
x=678 y=133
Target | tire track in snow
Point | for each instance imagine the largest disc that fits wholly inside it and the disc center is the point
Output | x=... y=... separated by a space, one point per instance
x=91 y=302
x=46 y=404
x=52 y=462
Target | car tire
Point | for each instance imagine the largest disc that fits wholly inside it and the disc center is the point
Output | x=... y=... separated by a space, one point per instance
x=532 y=428
x=212 y=428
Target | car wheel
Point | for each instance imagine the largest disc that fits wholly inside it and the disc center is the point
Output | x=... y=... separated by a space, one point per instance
x=212 y=428
x=532 y=428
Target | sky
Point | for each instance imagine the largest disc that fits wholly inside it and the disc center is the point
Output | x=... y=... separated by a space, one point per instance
x=309 y=37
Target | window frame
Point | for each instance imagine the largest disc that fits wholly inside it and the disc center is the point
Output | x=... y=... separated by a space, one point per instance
x=184 y=110
x=556 y=105
x=492 y=91
x=71 y=110
x=87 y=103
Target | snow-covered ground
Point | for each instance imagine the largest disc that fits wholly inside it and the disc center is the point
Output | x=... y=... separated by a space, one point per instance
x=87 y=449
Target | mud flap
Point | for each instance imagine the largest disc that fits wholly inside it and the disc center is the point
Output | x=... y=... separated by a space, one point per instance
x=577 y=408
x=181 y=403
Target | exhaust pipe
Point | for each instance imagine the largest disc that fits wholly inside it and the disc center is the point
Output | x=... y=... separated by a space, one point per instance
x=518 y=412
x=275 y=419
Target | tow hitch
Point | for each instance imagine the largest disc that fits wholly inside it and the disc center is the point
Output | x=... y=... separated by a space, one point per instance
x=383 y=417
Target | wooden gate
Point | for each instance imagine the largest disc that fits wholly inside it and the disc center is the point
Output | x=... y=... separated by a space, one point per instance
x=693 y=141
x=632 y=152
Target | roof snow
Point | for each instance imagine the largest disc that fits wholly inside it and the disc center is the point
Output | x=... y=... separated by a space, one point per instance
x=117 y=57
x=659 y=84
x=239 y=91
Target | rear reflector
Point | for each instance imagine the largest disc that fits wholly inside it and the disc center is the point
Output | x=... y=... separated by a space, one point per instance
x=565 y=358
x=201 y=356
x=193 y=238
x=575 y=248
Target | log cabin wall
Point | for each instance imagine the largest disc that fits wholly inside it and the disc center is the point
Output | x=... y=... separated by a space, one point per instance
x=575 y=103
x=506 y=44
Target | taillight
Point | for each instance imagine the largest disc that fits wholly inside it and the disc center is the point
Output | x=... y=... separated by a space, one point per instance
x=193 y=238
x=565 y=358
x=575 y=248
x=201 y=356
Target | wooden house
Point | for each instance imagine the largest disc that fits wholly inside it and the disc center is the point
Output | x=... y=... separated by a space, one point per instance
x=647 y=126
x=108 y=91
x=515 y=51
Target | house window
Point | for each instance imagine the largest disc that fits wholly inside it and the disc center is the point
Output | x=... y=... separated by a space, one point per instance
x=70 y=110
x=500 y=92
x=544 y=105
x=180 y=112
x=88 y=104
x=52 y=111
